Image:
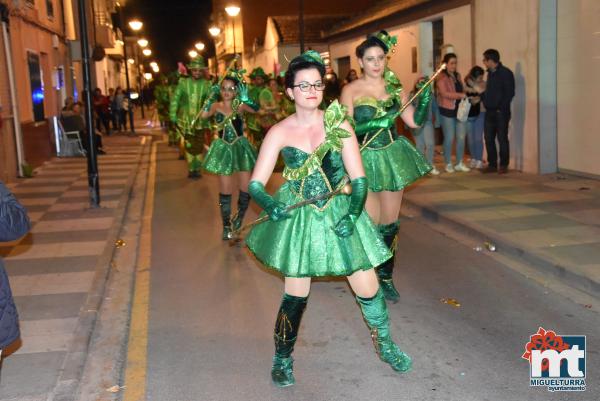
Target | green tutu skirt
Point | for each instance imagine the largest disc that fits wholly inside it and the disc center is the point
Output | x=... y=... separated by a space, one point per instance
x=225 y=158
x=305 y=244
x=394 y=167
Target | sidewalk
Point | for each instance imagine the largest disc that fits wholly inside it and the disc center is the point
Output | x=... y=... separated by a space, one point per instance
x=58 y=271
x=552 y=222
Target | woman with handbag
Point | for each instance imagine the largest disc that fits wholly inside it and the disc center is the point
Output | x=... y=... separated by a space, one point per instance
x=450 y=94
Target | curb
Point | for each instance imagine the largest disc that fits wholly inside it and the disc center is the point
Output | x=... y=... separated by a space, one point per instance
x=73 y=367
x=543 y=263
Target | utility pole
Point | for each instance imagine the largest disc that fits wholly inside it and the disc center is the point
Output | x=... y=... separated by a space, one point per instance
x=92 y=157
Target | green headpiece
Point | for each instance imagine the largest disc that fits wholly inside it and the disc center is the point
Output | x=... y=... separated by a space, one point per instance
x=237 y=75
x=388 y=41
x=197 y=63
x=258 y=72
x=313 y=57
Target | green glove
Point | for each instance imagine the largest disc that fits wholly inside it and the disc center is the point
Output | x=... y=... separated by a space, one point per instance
x=213 y=95
x=244 y=97
x=345 y=227
x=275 y=210
x=422 y=109
x=374 y=125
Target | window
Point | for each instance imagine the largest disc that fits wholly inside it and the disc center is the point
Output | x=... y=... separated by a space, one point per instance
x=50 y=8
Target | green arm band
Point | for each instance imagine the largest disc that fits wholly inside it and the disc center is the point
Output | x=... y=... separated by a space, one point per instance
x=275 y=210
x=373 y=125
x=422 y=109
x=252 y=104
x=360 y=188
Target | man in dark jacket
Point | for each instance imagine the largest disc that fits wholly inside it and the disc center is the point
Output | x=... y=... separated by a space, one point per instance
x=14 y=223
x=499 y=91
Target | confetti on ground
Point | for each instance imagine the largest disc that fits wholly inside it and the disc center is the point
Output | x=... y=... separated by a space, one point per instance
x=451 y=302
x=115 y=389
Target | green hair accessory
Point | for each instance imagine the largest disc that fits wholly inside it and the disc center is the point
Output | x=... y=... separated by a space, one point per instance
x=313 y=57
x=386 y=39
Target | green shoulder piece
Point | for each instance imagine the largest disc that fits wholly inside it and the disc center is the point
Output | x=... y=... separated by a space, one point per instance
x=393 y=87
x=334 y=116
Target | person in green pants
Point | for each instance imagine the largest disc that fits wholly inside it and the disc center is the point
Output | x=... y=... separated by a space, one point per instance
x=185 y=109
x=255 y=128
x=161 y=96
x=329 y=237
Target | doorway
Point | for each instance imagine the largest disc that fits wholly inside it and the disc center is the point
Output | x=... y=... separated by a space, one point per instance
x=37 y=87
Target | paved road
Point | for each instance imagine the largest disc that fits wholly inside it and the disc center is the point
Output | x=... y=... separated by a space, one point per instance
x=212 y=309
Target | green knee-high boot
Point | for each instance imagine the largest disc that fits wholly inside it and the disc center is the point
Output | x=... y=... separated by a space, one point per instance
x=225 y=204
x=285 y=334
x=375 y=312
x=243 y=202
x=384 y=271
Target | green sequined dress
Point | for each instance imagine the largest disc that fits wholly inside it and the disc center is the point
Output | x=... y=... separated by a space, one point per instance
x=231 y=152
x=391 y=161
x=305 y=244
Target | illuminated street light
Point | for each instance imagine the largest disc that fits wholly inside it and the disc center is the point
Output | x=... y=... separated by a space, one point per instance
x=153 y=64
x=214 y=30
x=155 y=68
x=147 y=52
x=136 y=24
x=193 y=53
x=232 y=11
x=131 y=61
x=148 y=76
x=199 y=46
x=143 y=42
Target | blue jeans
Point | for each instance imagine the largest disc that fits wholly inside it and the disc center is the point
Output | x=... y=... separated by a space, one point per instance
x=452 y=128
x=424 y=140
x=475 y=135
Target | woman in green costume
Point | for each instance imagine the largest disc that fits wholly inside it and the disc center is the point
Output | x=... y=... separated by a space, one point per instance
x=230 y=155
x=326 y=238
x=391 y=162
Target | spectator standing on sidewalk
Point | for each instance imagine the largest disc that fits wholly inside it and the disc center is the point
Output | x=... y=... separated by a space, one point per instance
x=475 y=84
x=424 y=135
x=102 y=110
x=14 y=224
x=449 y=91
x=499 y=92
x=118 y=112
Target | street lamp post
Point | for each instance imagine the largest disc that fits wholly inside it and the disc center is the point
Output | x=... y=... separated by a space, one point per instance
x=136 y=25
x=92 y=161
x=233 y=12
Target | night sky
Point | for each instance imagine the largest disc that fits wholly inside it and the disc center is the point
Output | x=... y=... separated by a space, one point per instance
x=172 y=27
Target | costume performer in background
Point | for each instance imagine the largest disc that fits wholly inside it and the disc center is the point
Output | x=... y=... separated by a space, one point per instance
x=161 y=96
x=327 y=238
x=230 y=155
x=391 y=161
x=256 y=131
x=171 y=126
x=186 y=106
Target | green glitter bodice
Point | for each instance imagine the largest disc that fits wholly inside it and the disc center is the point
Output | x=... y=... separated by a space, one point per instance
x=230 y=128
x=322 y=171
x=368 y=108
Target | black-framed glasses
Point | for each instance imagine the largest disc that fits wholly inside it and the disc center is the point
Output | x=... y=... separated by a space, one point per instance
x=305 y=86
